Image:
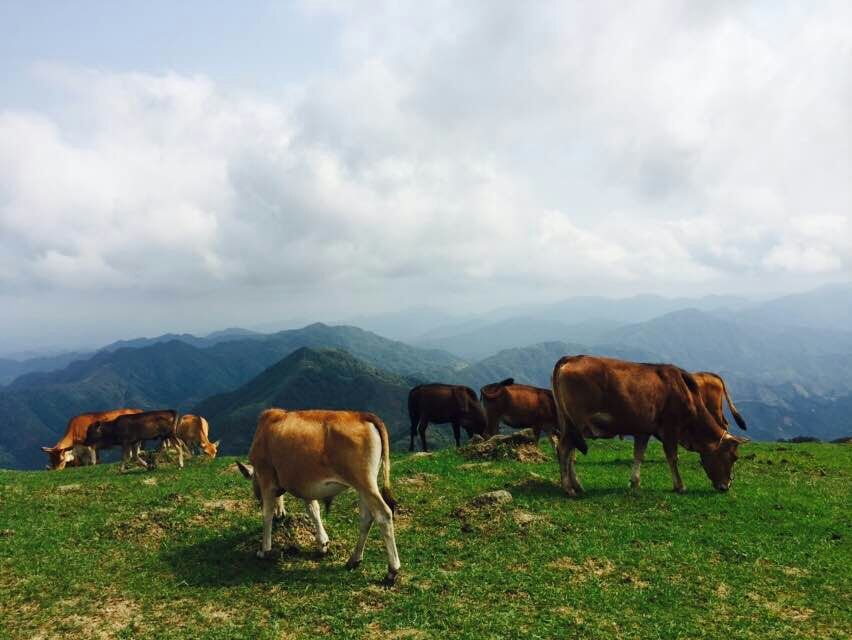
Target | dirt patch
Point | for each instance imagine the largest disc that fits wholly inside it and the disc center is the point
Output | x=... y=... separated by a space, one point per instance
x=147 y=529
x=68 y=488
x=520 y=446
x=112 y=617
x=589 y=568
x=417 y=480
x=723 y=590
x=795 y=572
x=150 y=481
x=374 y=630
x=634 y=581
x=225 y=505
x=523 y=518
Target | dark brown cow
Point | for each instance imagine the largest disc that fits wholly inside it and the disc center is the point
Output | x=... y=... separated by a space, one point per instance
x=70 y=446
x=519 y=406
x=131 y=431
x=611 y=397
x=443 y=403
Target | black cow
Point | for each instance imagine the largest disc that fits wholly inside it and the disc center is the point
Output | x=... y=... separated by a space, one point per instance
x=131 y=431
x=443 y=403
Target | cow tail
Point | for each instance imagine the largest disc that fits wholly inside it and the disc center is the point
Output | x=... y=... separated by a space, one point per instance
x=566 y=425
x=387 y=496
x=737 y=417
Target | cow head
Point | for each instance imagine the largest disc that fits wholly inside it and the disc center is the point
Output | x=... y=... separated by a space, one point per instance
x=210 y=448
x=58 y=457
x=474 y=421
x=248 y=473
x=718 y=461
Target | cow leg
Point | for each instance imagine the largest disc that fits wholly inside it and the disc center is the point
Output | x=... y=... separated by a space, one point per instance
x=269 y=500
x=640 y=442
x=280 y=511
x=457 y=433
x=313 y=509
x=93 y=455
x=572 y=471
x=179 y=446
x=421 y=429
x=137 y=450
x=670 y=449
x=126 y=453
x=414 y=424
x=365 y=522
x=384 y=518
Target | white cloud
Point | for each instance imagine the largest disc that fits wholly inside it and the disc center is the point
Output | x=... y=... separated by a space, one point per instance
x=466 y=149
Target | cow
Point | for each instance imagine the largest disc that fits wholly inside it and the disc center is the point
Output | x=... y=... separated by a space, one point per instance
x=609 y=397
x=314 y=455
x=131 y=431
x=713 y=391
x=443 y=403
x=519 y=406
x=193 y=432
x=70 y=446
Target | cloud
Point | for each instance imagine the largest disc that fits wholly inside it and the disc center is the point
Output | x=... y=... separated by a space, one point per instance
x=463 y=149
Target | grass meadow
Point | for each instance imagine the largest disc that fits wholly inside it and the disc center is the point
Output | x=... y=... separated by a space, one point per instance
x=169 y=553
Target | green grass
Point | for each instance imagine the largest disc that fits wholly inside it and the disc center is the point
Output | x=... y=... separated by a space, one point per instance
x=112 y=556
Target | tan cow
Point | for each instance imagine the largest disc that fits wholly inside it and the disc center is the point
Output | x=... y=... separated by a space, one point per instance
x=608 y=397
x=520 y=406
x=71 y=445
x=193 y=431
x=315 y=455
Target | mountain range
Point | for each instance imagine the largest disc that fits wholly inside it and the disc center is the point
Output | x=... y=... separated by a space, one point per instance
x=788 y=364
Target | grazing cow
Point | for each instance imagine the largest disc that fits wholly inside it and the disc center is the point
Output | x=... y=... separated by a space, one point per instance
x=611 y=397
x=193 y=431
x=131 y=431
x=713 y=391
x=519 y=406
x=315 y=455
x=70 y=446
x=443 y=403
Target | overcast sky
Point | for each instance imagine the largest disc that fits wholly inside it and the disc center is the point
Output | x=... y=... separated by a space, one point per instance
x=189 y=166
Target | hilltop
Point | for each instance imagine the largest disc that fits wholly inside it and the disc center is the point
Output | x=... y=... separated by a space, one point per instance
x=89 y=552
x=307 y=379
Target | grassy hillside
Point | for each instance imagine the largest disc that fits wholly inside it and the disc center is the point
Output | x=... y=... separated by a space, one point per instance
x=90 y=553
x=306 y=379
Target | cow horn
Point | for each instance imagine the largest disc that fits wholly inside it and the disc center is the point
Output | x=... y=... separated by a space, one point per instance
x=246 y=469
x=48 y=449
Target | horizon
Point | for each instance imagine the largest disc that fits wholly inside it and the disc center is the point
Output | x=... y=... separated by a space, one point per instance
x=450 y=321
x=304 y=161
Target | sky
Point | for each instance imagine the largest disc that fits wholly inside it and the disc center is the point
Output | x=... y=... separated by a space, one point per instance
x=191 y=166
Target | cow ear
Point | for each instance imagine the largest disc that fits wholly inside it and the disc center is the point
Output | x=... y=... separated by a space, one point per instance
x=246 y=469
x=216 y=444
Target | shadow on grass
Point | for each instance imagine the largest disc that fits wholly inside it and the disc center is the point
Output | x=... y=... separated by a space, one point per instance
x=536 y=488
x=230 y=560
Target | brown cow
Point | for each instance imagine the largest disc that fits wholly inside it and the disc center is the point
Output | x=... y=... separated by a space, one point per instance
x=713 y=391
x=443 y=403
x=131 y=431
x=611 y=397
x=193 y=431
x=519 y=406
x=70 y=446
x=315 y=455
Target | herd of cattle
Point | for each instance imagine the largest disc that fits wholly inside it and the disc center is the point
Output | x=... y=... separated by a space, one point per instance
x=315 y=455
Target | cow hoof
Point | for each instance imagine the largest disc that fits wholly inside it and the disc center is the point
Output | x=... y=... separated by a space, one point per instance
x=267 y=555
x=324 y=549
x=389 y=579
x=634 y=484
x=353 y=564
x=680 y=490
x=571 y=493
